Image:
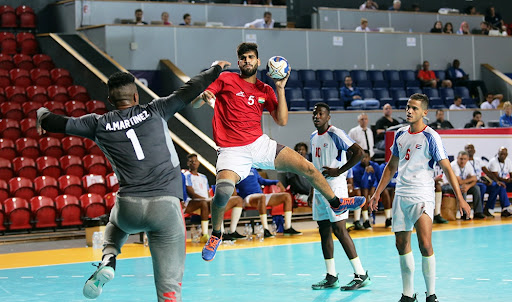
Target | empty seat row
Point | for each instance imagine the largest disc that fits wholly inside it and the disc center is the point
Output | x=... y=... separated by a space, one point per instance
x=23 y=16
x=35 y=77
x=17 y=111
x=26 y=62
x=23 y=42
x=57 y=94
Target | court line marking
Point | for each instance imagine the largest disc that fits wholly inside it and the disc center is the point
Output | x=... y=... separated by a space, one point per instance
x=457 y=278
x=127 y=275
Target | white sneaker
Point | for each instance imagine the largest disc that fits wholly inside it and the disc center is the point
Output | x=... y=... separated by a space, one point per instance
x=105 y=272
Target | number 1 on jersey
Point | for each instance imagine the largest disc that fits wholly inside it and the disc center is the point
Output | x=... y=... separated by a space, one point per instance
x=135 y=143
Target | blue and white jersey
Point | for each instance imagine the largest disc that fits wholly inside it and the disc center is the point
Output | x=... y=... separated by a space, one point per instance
x=329 y=149
x=198 y=182
x=417 y=153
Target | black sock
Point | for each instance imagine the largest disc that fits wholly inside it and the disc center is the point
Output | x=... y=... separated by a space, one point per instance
x=216 y=233
x=334 y=202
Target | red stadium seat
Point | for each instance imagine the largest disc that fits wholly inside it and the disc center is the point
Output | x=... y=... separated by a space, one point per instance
x=50 y=146
x=7 y=16
x=44 y=212
x=61 y=77
x=2 y=219
x=70 y=212
x=21 y=187
x=28 y=128
x=95 y=164
x=79 y=93
x=37 y=94
x=91 y=147
x=6 y=62
x=6 y=171
x=58 y=93
x=46 y=186
x=55 y=107
x=73 y=146
x=94 y=184
x=43 y=61
x=2 y=95
x=95 y=106
x=75 y=108
x=10 y=129
x=17 y=212
x=72 y=165
x=5 y=78
x=11 y=110
x=8 y=43
x=30 y=108
x=4 y=193
x=92 y=205
x=23 y=61
x=26 y=16
x=24 y=167
x=112 y=182
x=48 y=166
x=70 y=185
x=27 y=147
x=110 y=200
x=15 y=94
x=27 y=43
x=40 y=77
x=20 y=77
x=7 y=149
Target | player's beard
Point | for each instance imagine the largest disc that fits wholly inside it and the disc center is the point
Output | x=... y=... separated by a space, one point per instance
x=249 y=72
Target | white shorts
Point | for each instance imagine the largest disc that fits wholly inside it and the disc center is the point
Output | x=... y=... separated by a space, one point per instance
x=322 y=209
x=407 y=210
x=248 y=197
x=259 y=154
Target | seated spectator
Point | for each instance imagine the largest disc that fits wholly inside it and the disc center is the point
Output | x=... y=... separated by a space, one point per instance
x=492 y=101
x=467 y=179
x=448 y=28
x=187 y=20
x=299 y=185
x=440 y=122
x=138 y=17
x=165 y=18
x=493 y=18
x=437 y=28
x=397 y=5
x=266 y=22
x=250 y=190
x=476 y=122
x=506 y=118
x=349 y=92
x=363 y=135
x=471 y=10
x=383 y=124
x=483 y=30
x=500 y=168
x=369 y=5
x=457 y=103
x=438 y=197
x=366 y=178
x=479 y=165
x=464 y=28
x=461 y=78
x=363 y=26
x=428 y=78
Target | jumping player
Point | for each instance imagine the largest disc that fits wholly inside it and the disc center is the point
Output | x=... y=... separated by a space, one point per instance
x=415 y=150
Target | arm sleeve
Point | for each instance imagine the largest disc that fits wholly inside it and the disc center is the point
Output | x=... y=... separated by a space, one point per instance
x=53 y=122
x=356 y=92
x=84 y=126
x=344 y=94
x=271 y=101
x=265 y=182
x=436 y=147
x=341 y=139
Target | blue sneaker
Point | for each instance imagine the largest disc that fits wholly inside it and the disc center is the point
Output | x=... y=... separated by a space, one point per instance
x=351 y=203
x=105 y=272
x=210 y=248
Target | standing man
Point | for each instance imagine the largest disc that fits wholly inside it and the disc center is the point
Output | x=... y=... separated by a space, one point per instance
x=240 y=101
x=330 y=145
x=363 y=135
x=136 y=141
x=382 y=126
x=414 y=151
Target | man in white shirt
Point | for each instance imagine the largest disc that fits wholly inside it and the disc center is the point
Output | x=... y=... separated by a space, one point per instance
x=457 y=104
x=468 y=183
x=266 y=22
x=363 y=26
x=492 y=101
x=363 y=135
x=501 y=168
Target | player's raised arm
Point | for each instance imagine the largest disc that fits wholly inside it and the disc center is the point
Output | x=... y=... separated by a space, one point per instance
x=452 y=179
x=387 y=175
x=280 y=114
x=206 y=96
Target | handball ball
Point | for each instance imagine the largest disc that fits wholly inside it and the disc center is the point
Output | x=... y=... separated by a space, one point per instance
x=277 y=67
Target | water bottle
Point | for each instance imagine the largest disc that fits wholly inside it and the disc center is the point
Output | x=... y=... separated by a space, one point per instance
x=273 y=228
x=96 y=240
x=146 y=241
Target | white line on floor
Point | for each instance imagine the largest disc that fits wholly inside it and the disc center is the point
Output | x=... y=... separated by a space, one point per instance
x=52 y=276
x=482 y=279
x=457 y=278
x=127 y=275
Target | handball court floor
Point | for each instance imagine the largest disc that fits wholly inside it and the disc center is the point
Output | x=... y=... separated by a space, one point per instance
x=474 y=263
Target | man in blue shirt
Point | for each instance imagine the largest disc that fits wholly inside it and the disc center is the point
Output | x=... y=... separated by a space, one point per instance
x=250 y=190
x=506 y=118
x=349 y=93
x=366 y=177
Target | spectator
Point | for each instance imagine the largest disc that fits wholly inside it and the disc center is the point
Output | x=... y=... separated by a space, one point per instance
x=438 y=197
x=299 y=185
x=492 y=101
x=266 y=22
x=457 y=103
x=369 y=5
x=493 y=18
x=460 y=78
x=383 y=124
x=165 y=18
x=428 y=78
x=484 y=178
x=471 y=10
x=440 y=122
x=506 y=118
x=366 y=178
x=138 y=17
x=397 y=5
x=437 y=28
x=362 y=135
x=187 y=20
x=476 y=122
x=448 y=28
x=483 y=30
x=415 y=7
x=464 y=28
x=348 y=92
x=363 y=26
x=500 y=168
x=467 y=180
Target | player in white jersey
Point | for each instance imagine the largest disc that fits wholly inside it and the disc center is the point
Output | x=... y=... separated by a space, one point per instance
x=329 y=146
x=415 y=150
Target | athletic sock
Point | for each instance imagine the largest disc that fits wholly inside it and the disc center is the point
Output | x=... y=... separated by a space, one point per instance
x=287 y=220
x=357 y=215
x=438 y=199
x=217 y=234
x=204 y=226
x=365 y=215
x=357 y=266
x=407 y=270
x=387 y=213
x=330 y=267
x=264 y=222
x=334 y=202
x=235 y=217
x=429 y=273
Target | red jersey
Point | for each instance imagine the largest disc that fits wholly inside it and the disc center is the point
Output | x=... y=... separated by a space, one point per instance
x=426 y=75
x=238 y=109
